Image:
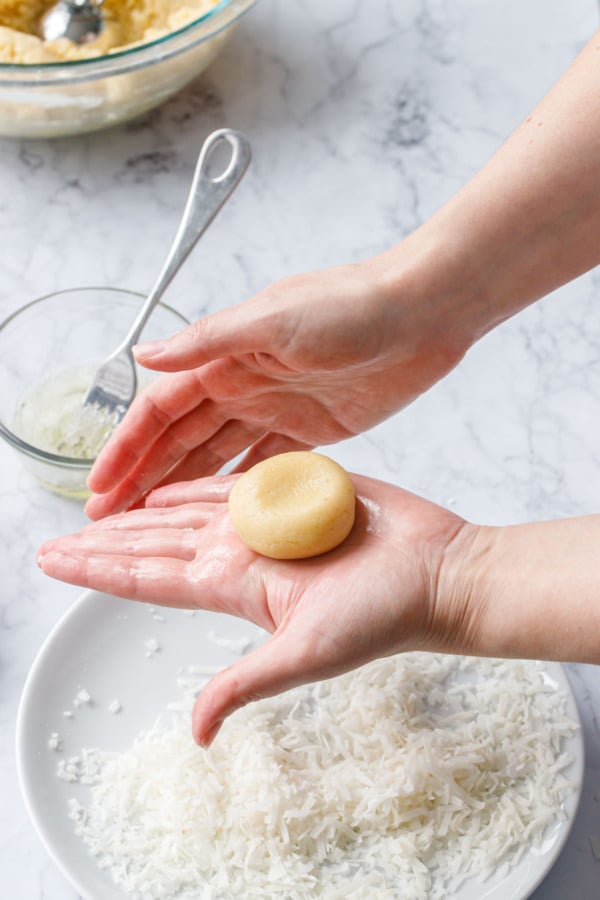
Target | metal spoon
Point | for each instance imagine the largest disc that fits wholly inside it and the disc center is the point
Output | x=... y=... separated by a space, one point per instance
x=80 y=21
x=115 y=382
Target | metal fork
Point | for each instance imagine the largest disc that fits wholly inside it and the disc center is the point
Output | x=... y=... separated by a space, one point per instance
x=115 y=383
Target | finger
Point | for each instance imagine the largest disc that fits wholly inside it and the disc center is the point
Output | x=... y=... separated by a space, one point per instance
x=231 y=440
x=216 y=580
x=167 y=543
x=272 y=668
x=202 y=490
x=188 y=515
x=100 y=506
x=227 y=443
x=161 y=581
x=124 y=498
x=270 y=445
x=127 y=496
x=172 y=447
x=227 y=332
x=164 y=402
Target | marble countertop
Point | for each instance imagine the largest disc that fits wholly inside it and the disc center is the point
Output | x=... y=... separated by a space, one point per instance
x=364 y=118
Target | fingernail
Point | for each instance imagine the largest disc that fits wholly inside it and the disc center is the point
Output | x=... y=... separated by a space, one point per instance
x=149 y=350
x=210 y=735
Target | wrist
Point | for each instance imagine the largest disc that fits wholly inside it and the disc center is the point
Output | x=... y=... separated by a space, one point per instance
x=459 y=601
x=522 y=591
x=429 y=284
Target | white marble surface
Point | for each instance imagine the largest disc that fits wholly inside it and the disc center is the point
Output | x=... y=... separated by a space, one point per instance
x=365 y=117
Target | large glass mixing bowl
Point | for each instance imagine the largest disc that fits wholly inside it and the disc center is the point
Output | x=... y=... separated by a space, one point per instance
x=63 y=98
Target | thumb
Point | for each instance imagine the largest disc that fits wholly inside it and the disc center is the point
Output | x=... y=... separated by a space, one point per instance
x=227 y=332
x=272 y=668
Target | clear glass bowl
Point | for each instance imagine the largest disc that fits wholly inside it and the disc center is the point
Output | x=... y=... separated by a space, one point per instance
x=63 y=98
x=50 y=339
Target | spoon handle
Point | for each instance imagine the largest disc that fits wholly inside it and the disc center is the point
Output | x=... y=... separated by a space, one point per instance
x=207 y=195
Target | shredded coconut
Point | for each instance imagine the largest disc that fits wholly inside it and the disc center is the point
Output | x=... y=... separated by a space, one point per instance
x=115 y=706
x=236 y=645
x=418 y=770
x=82 y=698
x=84 y=769
x=152 y=646
x=55 y=741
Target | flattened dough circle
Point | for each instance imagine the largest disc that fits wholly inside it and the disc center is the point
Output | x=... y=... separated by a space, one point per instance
x=293 y=506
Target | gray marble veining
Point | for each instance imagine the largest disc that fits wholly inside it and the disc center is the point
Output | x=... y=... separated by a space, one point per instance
x=364 y=118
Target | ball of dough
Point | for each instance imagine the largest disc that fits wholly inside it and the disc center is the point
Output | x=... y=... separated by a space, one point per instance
x=293 y=505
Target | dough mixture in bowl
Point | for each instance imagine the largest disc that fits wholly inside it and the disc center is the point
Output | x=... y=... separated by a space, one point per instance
x=293 y=506
x=129 y=23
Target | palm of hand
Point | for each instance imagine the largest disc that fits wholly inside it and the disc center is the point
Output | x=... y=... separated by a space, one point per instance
x=370 y=597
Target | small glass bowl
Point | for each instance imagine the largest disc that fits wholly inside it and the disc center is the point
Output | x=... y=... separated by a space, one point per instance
x=42 y=100
x=65 y=332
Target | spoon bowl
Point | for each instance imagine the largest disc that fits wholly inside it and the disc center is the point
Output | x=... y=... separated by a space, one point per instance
x=79 y=21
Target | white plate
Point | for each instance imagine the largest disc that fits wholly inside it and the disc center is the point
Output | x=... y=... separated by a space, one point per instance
x=99 y=646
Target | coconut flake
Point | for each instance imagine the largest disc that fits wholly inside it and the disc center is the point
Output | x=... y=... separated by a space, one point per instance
x=152 y=646
x=422 y=770
x=55 y=741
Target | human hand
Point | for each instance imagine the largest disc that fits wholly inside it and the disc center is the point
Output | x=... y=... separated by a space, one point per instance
x=372 y=596
x=317 y=358
x=310 y=361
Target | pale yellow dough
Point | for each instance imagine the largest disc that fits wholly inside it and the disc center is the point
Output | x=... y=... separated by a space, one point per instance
x=129 y=23
x=293 y=506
